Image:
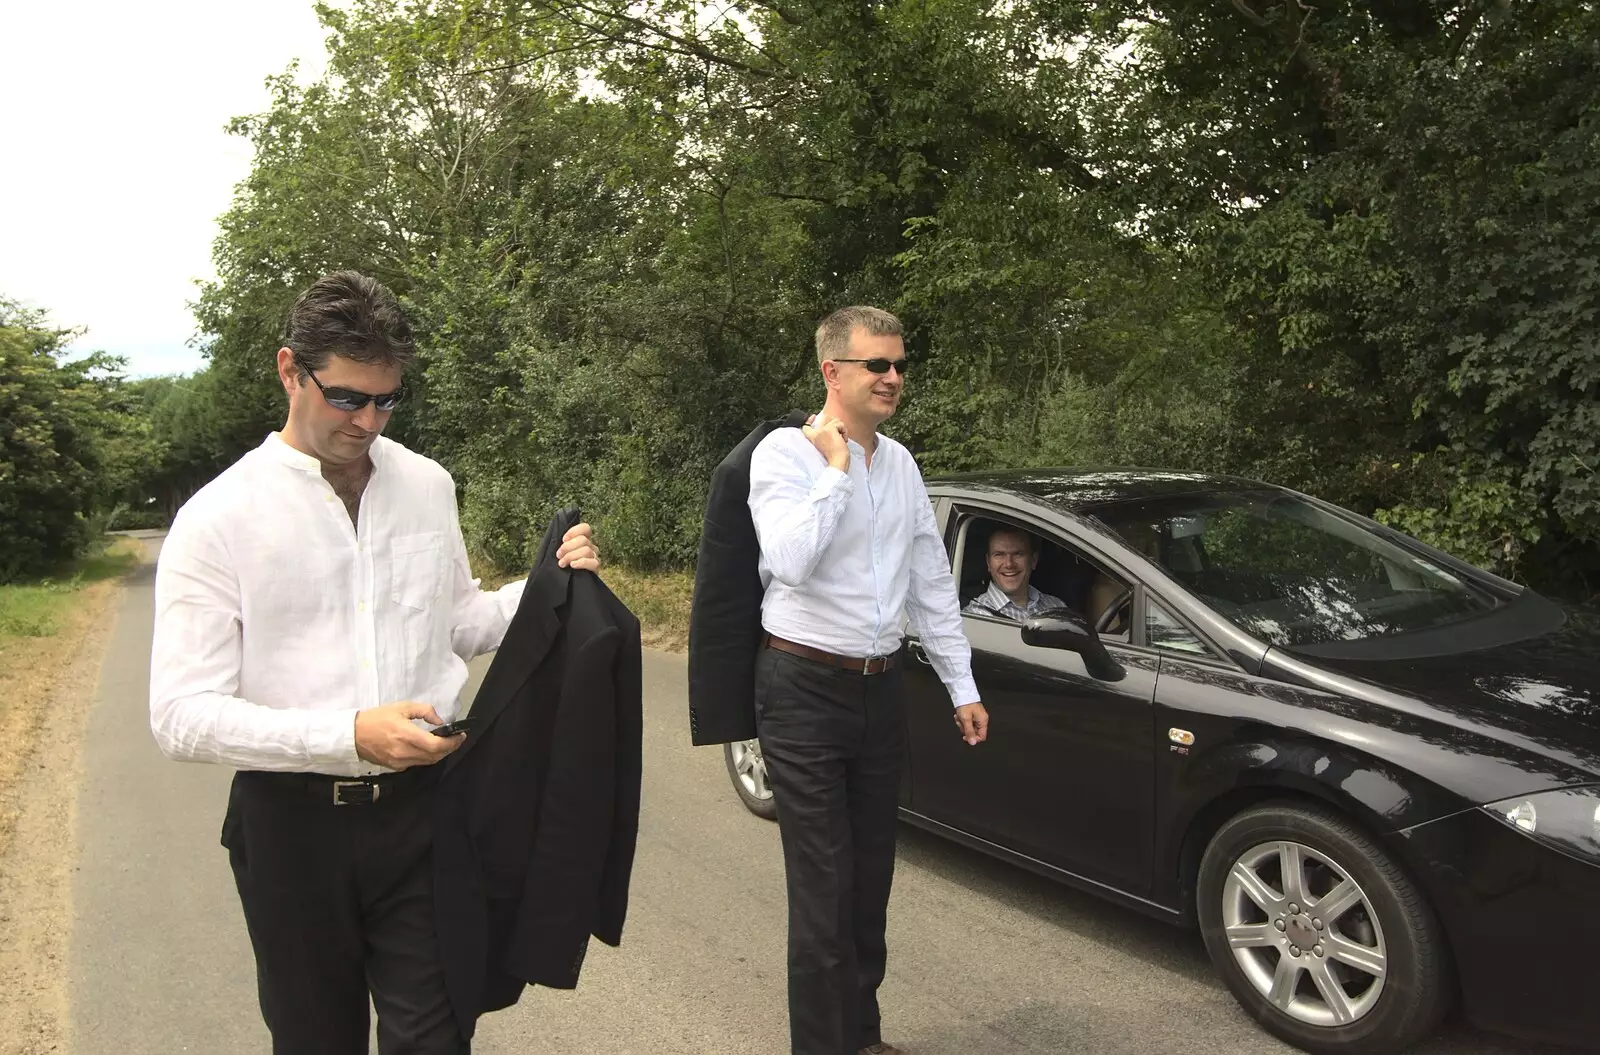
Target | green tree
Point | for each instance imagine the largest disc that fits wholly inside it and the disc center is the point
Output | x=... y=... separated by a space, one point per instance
x=1347 y=247
x=1396 y=206
x=69 y=446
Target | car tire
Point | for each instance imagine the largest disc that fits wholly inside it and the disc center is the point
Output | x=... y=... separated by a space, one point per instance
x=748 y=771
x=1379 y=932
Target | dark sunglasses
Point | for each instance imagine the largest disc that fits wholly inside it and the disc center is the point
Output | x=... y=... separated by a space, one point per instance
x=879 y=366
x=348 y=399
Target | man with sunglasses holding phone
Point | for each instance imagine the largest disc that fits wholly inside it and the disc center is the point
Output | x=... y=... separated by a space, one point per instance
x=849 y=547
x=314 y=612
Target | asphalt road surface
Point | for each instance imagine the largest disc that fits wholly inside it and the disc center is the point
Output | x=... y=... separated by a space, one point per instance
x=983 y=957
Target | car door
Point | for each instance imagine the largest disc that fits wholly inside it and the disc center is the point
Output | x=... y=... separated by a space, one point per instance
x=1066 y=776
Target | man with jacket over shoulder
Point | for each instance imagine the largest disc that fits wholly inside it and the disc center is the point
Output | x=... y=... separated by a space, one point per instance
x=314 y=614
x=849 y=548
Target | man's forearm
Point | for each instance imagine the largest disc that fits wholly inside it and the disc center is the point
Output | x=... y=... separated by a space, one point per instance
x=226 y=730
x=952 y=662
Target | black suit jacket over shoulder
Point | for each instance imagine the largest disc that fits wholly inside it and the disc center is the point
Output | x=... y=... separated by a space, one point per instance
x=537 y=814
x=725 y=616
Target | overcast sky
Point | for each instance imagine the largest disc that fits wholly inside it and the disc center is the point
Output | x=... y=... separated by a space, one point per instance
x=114 y=165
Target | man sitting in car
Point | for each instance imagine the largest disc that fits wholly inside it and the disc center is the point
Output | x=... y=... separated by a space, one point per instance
x=1013 y=555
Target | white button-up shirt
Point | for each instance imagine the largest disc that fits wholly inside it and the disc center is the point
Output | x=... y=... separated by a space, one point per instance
x=277 y=619
x=846 y=557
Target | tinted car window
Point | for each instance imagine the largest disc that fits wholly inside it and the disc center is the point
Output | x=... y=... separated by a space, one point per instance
x=1161 y=630
x=1290 y=573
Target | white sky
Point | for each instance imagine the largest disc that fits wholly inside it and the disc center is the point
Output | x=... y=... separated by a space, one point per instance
x=114 y=165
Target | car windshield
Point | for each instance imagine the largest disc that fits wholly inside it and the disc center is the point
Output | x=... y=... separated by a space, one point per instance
x=1290 y=572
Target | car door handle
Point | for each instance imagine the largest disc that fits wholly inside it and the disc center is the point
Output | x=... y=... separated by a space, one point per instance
x=918 y=653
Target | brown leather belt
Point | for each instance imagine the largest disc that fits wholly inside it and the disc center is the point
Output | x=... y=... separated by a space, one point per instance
x=854 y=664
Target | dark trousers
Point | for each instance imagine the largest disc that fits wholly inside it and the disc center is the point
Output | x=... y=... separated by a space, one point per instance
x=339 y=903
x=833 y=742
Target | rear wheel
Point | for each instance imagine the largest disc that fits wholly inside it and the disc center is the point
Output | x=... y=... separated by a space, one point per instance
x=748 y=771
x=1319 y=933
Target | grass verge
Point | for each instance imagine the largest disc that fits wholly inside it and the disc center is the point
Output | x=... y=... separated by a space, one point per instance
x=42 y=626
x=660 y=600
x=39 y=609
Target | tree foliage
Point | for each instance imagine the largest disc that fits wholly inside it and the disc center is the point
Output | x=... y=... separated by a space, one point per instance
x=1349 y=247
x=70 y=444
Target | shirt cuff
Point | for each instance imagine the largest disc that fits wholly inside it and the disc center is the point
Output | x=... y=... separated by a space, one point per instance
x=509 y=597
x=331 y=738
x=963 y=691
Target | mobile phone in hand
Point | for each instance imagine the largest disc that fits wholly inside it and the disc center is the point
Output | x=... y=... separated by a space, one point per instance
x=460 y=725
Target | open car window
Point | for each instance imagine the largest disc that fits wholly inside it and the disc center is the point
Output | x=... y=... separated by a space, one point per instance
x=1063 y=574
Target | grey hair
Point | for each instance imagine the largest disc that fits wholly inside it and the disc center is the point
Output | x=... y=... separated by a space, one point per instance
x=833 y=336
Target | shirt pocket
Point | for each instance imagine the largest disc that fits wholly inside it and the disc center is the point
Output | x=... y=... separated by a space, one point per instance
x=416 y=583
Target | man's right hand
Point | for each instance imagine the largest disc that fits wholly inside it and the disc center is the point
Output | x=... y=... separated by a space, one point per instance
x=386 y=736
x=827 y=435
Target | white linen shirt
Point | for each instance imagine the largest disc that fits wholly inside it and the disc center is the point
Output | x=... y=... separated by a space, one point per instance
x=277 y=619
x=847 y=557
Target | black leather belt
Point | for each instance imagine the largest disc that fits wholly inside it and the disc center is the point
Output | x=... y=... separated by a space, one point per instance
x=854 y=664
x=350 y=791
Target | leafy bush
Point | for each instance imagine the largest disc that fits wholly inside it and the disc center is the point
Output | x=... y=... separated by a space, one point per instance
x=1348 y=248
x=67 y=445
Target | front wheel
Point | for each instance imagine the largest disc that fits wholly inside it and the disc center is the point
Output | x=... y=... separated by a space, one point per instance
x=748 y=771
x=1319 y=933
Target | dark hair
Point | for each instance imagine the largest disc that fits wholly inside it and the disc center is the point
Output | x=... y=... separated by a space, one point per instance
x=352 y=316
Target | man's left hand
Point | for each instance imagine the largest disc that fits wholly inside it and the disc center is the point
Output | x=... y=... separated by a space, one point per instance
x=577 y=549
x=974 y=723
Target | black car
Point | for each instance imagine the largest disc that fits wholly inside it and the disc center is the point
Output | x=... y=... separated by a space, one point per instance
x=1369 y=772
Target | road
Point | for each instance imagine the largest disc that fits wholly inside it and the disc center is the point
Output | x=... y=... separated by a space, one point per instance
x=983 y=957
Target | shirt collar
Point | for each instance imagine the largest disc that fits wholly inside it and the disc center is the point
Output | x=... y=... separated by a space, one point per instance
x=852 y=444
x=997 y=597
x=1000 y=599
x=277 y=448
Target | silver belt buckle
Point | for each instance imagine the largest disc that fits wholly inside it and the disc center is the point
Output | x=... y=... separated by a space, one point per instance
x=337 y=784
x=866 y=664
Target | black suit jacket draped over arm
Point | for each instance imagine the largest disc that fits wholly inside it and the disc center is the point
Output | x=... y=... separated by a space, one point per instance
x=538 y=812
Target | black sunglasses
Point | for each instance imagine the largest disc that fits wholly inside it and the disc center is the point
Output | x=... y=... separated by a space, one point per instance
x=879 y=366
x=348 y=399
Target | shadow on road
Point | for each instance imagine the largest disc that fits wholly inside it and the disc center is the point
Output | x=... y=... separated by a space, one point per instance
x=142 y=575
x=1090 y=918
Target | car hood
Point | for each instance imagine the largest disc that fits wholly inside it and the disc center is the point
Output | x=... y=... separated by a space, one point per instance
x=1539 y=695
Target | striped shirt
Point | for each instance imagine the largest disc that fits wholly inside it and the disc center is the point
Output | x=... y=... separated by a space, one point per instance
x=995 y=601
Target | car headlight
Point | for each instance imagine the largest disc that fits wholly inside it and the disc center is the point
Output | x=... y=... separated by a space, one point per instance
x=1568 y=820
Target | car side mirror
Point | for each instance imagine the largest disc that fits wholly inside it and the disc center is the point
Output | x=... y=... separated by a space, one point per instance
x=1065 y=629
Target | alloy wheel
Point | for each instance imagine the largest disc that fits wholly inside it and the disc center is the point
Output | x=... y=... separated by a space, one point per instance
x=750 y=769
x=1304 y=933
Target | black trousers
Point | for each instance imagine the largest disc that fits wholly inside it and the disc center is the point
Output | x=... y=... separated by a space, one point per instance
x=833 y=742
x=339 y=903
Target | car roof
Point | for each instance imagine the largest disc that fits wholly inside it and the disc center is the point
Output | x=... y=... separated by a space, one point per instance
x=1085 y=491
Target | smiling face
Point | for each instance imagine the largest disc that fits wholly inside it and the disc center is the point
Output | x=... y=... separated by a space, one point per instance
x=336 y=438
x=860 y=394
x=1011 y=561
